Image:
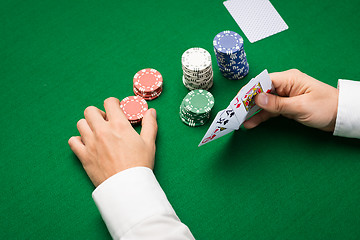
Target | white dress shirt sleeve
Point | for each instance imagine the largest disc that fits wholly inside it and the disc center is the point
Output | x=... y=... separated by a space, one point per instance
x=133 y=206
x=348 y=114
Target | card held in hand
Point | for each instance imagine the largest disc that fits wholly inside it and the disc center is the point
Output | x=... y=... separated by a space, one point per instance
x=228 y=119
x=215 y=131
x=241 y=108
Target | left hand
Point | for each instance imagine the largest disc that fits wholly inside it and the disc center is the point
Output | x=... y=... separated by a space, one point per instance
x=109 y=144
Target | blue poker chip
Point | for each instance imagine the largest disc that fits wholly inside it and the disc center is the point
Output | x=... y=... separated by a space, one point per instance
x=230 y=55
x=236 y=53
x=234 y=76
x=243 y=72
x=231 y=63
x=233 y=73
x=228 y=42
x=233 y=69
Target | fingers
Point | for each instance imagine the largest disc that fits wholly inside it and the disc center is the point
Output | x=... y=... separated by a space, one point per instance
x=94 y=117
x=279 y=105
x=103 y=114
x=113 y=110
x=84 y=130
x=77 y=147
x=285 y=78
x=149 y=127
x=291 y=82
x=258 y=118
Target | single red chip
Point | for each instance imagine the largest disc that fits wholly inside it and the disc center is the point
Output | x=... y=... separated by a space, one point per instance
x=134 y=108
x=148 y=80
x=148 y=96
x=148 y=93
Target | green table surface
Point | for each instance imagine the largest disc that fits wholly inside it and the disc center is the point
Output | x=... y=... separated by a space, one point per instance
x=281 y=180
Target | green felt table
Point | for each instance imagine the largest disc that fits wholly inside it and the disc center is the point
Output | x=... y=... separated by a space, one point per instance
x=281 y=180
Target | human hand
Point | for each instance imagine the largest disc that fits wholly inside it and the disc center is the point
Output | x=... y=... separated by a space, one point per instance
x=301 y=97
x=109 y=144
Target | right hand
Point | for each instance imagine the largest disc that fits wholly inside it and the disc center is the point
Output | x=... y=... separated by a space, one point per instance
x=301 y=97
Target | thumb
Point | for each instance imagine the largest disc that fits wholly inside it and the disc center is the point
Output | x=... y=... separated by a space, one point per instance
x=149 y=127
x=276 y=104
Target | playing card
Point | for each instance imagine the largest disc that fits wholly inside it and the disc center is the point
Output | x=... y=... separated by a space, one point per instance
x=228 y=119
x=215 y=131
x=241 y=108
x=244 y=102
x=258 y=19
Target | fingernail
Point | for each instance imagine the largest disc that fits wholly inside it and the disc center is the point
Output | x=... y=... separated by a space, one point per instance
x=263 y=99
x=153 y=112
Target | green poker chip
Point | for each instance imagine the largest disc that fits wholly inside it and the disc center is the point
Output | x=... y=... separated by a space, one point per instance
x=192 y=123
x=194 y=115
x=196 y=107
x=199 y=101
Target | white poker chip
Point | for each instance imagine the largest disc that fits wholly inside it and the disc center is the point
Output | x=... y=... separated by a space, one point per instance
x=197 y=69
x=196 y=59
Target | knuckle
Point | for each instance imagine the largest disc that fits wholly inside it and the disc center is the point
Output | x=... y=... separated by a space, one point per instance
x=153 y=125
x=101 y=132
x=296 y=75
x=278 y=104
x=118 y=124
x=295 y=71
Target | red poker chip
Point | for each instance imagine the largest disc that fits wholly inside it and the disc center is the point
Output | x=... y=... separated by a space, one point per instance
x=149 y=96
x=135 y=122
x=148 y=93
x=134 y=108
x=148 y=80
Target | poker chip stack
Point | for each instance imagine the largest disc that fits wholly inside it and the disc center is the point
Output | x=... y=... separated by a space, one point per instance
x=134 y=108
x=148 y=83
x=197 y=69
x=230 y=55
x=196 y=107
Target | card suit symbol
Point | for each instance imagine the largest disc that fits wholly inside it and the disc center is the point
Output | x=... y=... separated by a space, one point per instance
x=221 y=120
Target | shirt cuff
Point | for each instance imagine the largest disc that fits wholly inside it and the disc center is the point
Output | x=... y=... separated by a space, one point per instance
x=129 y=197
x=348 y=114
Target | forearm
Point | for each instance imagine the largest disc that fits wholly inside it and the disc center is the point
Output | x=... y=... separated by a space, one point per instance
x=134 y=206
